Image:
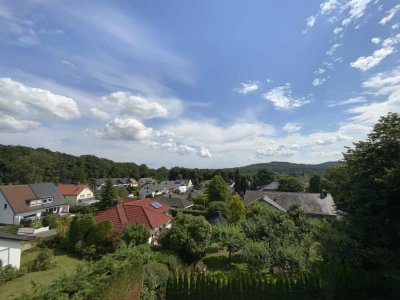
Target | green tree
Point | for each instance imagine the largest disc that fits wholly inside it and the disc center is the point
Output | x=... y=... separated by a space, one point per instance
x=189 y=236
x=136 y=234
x=108 y=195
x=79 y=174
x=315 y=184
x=217 y=207
x=230 y=237
x=78 y=229
x=264 y=177
x=257 y=255
x=236 y=209
x=218 y=189
x=290 y=184
x=200 y=199
x=366 y=189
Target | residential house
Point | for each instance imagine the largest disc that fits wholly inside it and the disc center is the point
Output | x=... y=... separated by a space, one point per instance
x=179 y=186
x=11 y=248
x=273 y=186
x=146 y=180
x=148 y=212
x=313 y=204
x=175 y=201
x=150 y=190
x=29 y=201
x=76 y=194
x=116 y=182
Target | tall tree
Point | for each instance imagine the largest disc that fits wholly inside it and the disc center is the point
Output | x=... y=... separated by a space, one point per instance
x=315 y=184
x=230 y=237
x=236 y=209
x=367 y=189
x=218 y=189
x=108 y=195
x=264 y=177
x=290 y=184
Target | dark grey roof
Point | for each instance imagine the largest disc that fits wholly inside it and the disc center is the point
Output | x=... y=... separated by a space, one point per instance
x=219 y=220
x=310 y=203
x=272 y=186
x=8 y=236
x=175 y=202
x=44 y=190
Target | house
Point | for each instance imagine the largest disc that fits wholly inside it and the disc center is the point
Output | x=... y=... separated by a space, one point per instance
x=76 y=194
x=269 y=187
x=313 y=204
x=179 y=186
x=29 y=201
x=116 y=182
x=175 y=201
x=10 y=249
x=150 y=189
x=148 y=212
x=146 y=180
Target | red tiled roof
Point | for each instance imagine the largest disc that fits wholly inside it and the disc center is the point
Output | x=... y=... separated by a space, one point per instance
x=71 y=189
x=135 y=211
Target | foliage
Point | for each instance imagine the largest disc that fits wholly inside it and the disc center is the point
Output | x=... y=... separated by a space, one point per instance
x=155 y=281
x=315 y=184
x=121 y=193
x=257 y=255
x=108 y=195
x=230 y=237
x=98 y=239
x=366 y=190
x=43 y=261
x=174 y=212
x=218 y=189
x=189 y=236
x=136 y=234
x=263 y=177
x=236 y=209
x=201 y=199
x=78 y=230
x=289 y=184
x=217 y=207
x=8 y=273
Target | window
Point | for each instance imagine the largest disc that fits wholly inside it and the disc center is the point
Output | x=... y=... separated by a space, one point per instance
x=35 y=202
x=44 y=200
x=5 y=206
x=54 y=209
x=49 y=200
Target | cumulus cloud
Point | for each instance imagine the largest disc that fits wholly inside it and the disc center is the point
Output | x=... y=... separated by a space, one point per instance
x=278 y=150
x=281 y=97
x=136 y=106
x=311 y=21
x=375 y=40
x=99 y=114
x=247 y=87
x=365 y=63
x=347 y=101
x=338 y=30
x=204 y=152
x=328 y=6
x=390 y=14
x=318 y=81
x=332 y=139
x=127 y=129
x=11 y=124
x=291 y=127
x=356 y=9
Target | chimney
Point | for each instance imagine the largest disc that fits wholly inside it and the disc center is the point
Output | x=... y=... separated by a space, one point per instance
x=323 y=194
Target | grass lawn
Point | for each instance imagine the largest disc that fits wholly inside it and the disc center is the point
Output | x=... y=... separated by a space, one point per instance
x=65 y=264
x=217 y=261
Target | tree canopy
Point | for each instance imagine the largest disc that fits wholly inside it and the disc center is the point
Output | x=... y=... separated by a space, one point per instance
x=217 y=189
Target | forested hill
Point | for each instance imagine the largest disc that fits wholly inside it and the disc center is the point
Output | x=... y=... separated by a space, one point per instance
x=287 y=168
x=19 y=164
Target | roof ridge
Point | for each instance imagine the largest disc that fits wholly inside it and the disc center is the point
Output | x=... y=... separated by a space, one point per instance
x=147 y=217
x=122 y=214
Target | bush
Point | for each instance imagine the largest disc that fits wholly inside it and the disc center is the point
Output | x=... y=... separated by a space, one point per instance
x=257 y=255
x=87 y=209
x=8 y=273
x=217 y=207
x=197 y=207
x=78 y=230
x=136 y=234
x=43 y=261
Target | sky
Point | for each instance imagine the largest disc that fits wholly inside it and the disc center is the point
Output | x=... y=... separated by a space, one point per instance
x=205 y=84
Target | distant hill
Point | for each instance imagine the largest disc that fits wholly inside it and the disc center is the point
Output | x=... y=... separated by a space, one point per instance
x=286 y=167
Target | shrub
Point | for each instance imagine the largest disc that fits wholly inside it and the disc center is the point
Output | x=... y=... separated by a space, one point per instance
x=8 y=273
x=217 y=207
x=78 y=230
x=43 y=261
x=197 y=207
x=136 y=234
x=257 y=255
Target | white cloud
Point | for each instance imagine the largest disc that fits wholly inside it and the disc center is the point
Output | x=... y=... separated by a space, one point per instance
x=347 y=101
x=337 y=30
x=34 y=104
x=333 y=138
x=396 y=26
x=328 y=6
x=248 y=87
x=281 y=97
x=390 y=14
x=356 y=10
x=128 y=129
x=278 y=151
x=365 y=63
x=375 y=40
x=318 y=81
x=333 y=49
x=98 y=113
x=11 y=124
x=291 y=127
x=204 y=152
x=319 y=71
x=136 y=106
x=311 y=21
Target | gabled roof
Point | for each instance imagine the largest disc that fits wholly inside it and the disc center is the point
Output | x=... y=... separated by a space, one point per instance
x=153 y=187
x=135 y=211
x=310 y=203
x=272 y=186
x=71 y=189
x=177 y=202
x=44 y=190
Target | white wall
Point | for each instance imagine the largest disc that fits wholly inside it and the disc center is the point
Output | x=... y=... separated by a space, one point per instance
x=10 y=252
x=6 y=215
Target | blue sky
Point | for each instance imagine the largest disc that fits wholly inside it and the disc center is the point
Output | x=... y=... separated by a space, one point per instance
x=197 y=84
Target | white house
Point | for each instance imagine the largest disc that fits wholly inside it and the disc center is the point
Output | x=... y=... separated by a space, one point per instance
x=180 y=186
x=76 y=194
x=29 y=201
x=10 y=249
x=152 y=189
x=146 y=180
x=116 y=182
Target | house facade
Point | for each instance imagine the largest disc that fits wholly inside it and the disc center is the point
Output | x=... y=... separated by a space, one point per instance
x=10 y=249
x=29 y=201
x=116 y=182
x=179 y=186
x=151 y=190
x=148 y=212
x=76 y=194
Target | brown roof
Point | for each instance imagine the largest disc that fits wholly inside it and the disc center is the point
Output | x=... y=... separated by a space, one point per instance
x=135 y=211
x=17 y=195
x=71 y=189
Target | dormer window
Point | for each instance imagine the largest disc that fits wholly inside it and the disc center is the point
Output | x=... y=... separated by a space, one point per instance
x=35 y=202
x=47 y=200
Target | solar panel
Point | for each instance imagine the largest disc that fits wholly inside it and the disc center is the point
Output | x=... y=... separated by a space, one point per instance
x=156 y=204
